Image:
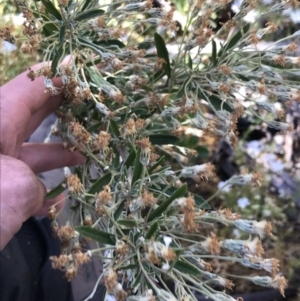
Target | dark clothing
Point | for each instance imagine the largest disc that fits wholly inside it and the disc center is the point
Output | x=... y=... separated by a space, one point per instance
x=25 y=270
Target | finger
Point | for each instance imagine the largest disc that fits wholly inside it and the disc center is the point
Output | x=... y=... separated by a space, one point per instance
x=39 y=117
x=22 y=194
x=20 y=100
x=58 y=201
x=32 y=94
x=42 y=157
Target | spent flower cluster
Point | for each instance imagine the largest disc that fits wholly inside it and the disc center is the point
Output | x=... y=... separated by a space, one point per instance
x=132 y=86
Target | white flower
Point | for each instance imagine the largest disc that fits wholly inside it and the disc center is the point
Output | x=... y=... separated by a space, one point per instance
x=167 y=241
x=102 y=108
x=170 y=112
x=67 y=171
x=243 y=202
x=222 y=186
x=261 y=228
x=165 y=266
x=271 y=162
x=110 y=298
x=254 y=148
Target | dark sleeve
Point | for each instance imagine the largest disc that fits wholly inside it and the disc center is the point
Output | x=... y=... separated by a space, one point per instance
x=25 y=270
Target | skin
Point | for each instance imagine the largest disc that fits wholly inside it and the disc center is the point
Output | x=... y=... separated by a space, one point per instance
x=23 y=106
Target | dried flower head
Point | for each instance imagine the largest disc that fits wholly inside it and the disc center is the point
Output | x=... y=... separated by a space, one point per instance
x=101 y=141
x=74 y=184
x=110 y=279
x=211 y=244
x=145 y=146
x=80 y=134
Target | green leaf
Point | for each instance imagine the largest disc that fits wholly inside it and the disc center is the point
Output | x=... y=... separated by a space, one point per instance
x=214 y=53
x=62 y=33
x=200 y=202
x=190 y=62
x=97 y=235
x=110 y=43
x=137 y=280
x=180 y=192
x=86 y=5
x=58 y=55
x=78 y=172
x=86 y=43
x=138 y=168
x=130 y=158
x=126 y=267
x=136 y=236
x=55 y=192
x=49 y=28
x=99 y=184
x=75 y=207
x=181 y=91
x=119 y=211
x=94 y=127
x=51 y=9
x=215 y=101
x=131 y=236
x=154 y=166
x=114 y=128
x=89 y=14
x=163 y=139
x=127 y=223
x=237 y=37
x=162 y=52
x=152 y=230
x=186 y=268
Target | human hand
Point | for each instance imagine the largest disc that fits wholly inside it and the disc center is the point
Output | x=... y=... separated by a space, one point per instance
x=23 y=106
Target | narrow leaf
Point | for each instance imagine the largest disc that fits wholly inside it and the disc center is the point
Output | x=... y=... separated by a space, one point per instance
x=86 y=5
x=190 y=62
x=56 y=59
x=181 y=91
x=55 y=192
x=238 y=36
x=215 y=101
x=154 y=166
x=51 y=9
x=62 y=33
x=119 y=211
x=162 y=52
x=110 y=43
x=138 y=168
x=49 y=28
x=200 y=202
x=152 y=230
x=163 y=139
x=114 y=128
x=97 y=235
x=126 y=267
x=91 y=45
x=127 y=223
x=130 y=159
x=99 y=184
x=89 y=14
x=214 y=53
x=186 y=268
x=180 y=192
x=94 y=127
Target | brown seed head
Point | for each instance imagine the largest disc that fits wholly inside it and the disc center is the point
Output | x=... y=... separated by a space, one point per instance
x=74 y=184
x=110 y=280
x=80 y=133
